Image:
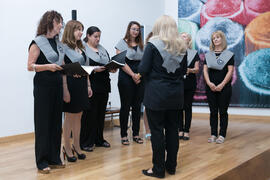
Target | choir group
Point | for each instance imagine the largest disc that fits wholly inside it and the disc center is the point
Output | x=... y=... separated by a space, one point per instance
x=160 y=73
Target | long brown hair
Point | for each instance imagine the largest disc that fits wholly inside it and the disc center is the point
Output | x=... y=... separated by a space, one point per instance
x=68 y=35
x=138 y=39
x=46 y=22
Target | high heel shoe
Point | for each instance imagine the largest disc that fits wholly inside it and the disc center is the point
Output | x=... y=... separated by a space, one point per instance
x=80 y=156
x=69 y=159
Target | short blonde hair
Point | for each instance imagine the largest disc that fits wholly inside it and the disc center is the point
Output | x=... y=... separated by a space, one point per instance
x=165 y=29
x=223 y=38
x=189 y=44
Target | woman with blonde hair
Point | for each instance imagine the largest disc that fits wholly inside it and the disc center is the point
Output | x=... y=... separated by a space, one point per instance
x=163 y=66
x=189 y=86
x=218 y=71
x=77 y=89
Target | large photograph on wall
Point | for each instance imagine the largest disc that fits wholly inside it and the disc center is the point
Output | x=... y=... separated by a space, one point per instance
x=246 y=24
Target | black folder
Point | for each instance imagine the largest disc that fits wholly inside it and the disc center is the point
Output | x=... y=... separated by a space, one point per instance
x=117 y=61
x=76 y=69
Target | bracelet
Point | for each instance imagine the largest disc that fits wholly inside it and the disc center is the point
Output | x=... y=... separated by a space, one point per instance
x=34 y=67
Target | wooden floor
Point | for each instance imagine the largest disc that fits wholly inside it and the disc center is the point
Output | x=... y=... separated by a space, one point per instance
x=248 y=136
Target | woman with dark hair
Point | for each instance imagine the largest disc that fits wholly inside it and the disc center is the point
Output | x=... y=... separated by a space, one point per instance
x=130 y=86
x=163 y=66
x=77 y=89
x=93 y=118
x=218 y=71
x=45 y=57
x=190 y=87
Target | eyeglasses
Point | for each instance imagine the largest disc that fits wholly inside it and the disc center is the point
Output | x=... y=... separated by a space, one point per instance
x=135 y=29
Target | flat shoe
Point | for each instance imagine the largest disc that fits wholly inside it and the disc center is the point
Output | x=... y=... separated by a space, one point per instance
x=104 y=144
x=44 y=171
x=185 y=138
x=171 y=172
x=125 y=142
x=88 y=148
x=138 y=140
x=145 y=172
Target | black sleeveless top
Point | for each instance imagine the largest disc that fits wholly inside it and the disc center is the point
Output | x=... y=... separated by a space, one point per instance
x=47 y=78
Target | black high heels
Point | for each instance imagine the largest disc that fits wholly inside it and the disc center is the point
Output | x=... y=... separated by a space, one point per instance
x=80 y=156
x=69 y=159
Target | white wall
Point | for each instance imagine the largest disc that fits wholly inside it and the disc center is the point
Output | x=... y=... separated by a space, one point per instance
x=171 y=8
x=19 y=21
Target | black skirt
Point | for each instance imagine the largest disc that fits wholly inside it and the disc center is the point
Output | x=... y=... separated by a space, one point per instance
x=78 y=95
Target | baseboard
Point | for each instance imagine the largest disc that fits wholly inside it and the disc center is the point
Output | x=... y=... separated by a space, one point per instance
x=18 y=137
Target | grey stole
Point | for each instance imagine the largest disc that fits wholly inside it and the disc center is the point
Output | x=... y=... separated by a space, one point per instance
x=102 y=56
x=74 y=56
x=190 y=55
x=131 y=53
x=44 y=45
x=219 y=62
x=170 y=62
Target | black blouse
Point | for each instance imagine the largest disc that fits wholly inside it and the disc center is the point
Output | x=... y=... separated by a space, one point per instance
x=217 y=76
x=100 y=81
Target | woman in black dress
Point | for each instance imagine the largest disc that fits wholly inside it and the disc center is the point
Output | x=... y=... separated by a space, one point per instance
x=163 y=66
x=77 y=89
x=131 y=88
x=45 y=55
x=93 y=118
x=218 y=71
x=189 y=86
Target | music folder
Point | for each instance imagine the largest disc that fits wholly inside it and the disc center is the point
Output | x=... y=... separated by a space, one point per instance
x=77 y=69
x=117 y=61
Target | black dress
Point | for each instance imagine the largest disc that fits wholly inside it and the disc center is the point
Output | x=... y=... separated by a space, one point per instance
x=78 y=92
x=48 y=103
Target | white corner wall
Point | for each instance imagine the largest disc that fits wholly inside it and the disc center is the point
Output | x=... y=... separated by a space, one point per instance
x=171 y=8
x=19 y=21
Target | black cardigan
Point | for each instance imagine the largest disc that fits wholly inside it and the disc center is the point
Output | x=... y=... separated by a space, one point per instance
x=163 y=90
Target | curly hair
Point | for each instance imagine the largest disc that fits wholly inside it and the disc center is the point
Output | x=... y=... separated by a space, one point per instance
x=46 y=22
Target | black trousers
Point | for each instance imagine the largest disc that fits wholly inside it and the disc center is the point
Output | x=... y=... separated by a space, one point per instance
x=186 y=112
x=48 y=103
x=92 y=122
x=131 y=96
x=218 y=103
x=158 y=122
